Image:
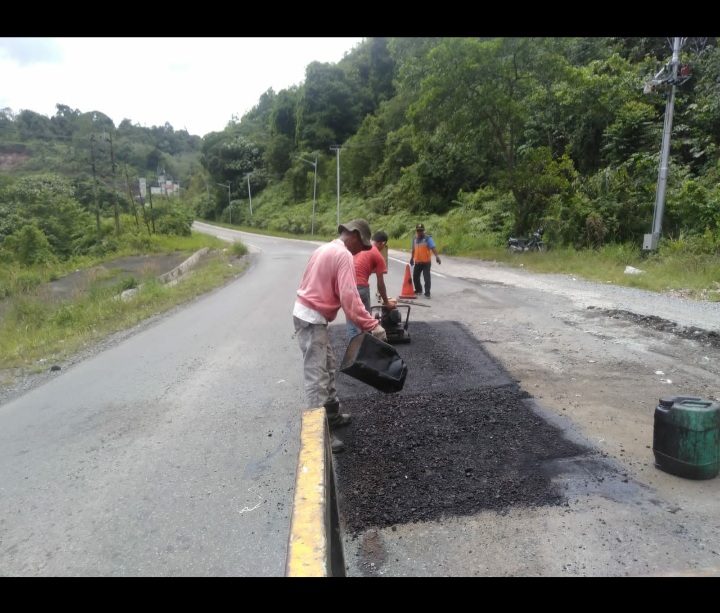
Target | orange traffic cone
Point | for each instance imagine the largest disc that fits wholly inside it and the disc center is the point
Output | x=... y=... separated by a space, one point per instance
x=408 y=290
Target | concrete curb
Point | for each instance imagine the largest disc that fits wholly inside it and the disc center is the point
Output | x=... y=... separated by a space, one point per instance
x=315 y=544
x=172 y=277
x=180 y=270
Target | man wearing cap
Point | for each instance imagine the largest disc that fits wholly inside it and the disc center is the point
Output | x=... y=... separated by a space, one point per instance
x=422 y=249
x=367 y=263
x=329 y=284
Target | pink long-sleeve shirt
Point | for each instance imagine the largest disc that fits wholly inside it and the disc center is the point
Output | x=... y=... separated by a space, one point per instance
x=329 y=284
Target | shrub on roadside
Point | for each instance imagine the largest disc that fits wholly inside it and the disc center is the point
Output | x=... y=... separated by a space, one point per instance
x=238 y=249
x=29 y=246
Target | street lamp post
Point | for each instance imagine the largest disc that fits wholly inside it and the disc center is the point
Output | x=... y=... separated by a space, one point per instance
x=229 y=201
x=314 y=165
x=337 y=150
x=247 y=176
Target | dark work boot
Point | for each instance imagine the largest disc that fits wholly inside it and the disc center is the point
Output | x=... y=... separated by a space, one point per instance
x=335 y=418
x=336 y=444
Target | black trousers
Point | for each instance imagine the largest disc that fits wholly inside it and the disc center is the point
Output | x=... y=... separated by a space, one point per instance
x=421 y=268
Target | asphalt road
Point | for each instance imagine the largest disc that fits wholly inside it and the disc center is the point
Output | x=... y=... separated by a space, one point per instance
x=173 y=452
x=598 y=377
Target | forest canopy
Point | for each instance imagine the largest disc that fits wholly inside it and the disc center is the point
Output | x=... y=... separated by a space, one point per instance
x=495 y=135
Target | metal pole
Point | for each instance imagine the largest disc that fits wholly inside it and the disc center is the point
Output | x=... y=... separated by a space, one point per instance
x=116 y=212
x=97 y=205
x=663 y=172
x=312 y=227
x=249 y=194
x=651 y=241
x=337 y=150
x=667 y=129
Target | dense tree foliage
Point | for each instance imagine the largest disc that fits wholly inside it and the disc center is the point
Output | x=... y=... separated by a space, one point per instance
x=521 y=131
x=40 y=220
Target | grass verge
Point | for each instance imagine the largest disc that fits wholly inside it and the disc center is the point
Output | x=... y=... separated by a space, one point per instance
x=35 y=330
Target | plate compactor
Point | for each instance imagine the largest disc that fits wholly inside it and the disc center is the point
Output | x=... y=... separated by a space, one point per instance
x=392 y=320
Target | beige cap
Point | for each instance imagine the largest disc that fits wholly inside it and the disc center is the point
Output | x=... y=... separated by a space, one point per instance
x=362 y=227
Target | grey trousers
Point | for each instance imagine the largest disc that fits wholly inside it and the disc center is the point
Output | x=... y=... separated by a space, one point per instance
x=318 y=363
x=352 y=329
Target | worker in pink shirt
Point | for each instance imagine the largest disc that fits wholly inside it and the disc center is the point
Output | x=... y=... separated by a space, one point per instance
x=329 y=284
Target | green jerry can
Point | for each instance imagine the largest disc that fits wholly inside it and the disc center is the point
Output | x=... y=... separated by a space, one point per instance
x=686 y=438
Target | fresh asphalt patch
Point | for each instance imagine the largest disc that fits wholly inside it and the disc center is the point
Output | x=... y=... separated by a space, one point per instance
x=461 y=437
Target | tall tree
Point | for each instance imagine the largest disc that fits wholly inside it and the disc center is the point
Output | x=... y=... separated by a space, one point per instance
x=330 y=110
x=471 y=110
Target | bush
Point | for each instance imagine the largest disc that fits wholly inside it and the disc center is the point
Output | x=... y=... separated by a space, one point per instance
x=173 y=225
x=139 y=242
x=238 y=249
x=14 y=280
x=129 y=283
x=30 y=246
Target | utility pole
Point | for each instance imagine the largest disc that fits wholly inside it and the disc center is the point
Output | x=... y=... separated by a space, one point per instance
x=142 y=189
x=247 y=176
x=314 y=165
x=662 y=82
x=132 y=200
x=115 y=201
x=337 y=149
x=152 y=213
x=97 y=206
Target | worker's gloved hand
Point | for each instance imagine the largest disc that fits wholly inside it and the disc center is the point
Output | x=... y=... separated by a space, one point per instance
x=437 y=259
x=412 y=262
x=379 y=332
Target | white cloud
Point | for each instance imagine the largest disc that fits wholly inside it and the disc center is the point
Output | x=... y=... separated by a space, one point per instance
x=196 y=84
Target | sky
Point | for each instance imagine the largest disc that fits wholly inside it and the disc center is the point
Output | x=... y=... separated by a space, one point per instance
x=195 y=84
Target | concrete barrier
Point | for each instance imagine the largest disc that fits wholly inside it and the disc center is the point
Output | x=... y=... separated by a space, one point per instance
x=315 y=543
x=186 y=266
x=173 y=277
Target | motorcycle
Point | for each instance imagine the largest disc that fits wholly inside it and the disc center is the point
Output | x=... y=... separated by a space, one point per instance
x=517 y=245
